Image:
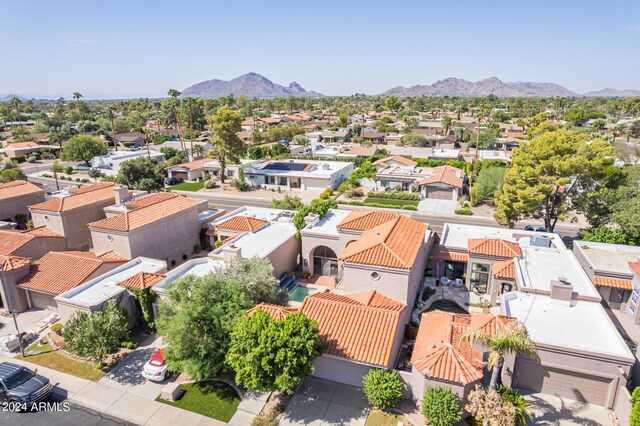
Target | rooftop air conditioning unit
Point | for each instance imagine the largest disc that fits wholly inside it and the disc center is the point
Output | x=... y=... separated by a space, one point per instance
x=541 y=241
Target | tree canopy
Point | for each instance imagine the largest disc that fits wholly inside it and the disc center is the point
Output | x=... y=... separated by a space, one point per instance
x=271 y=354
x=228 y=147
x=83 y=148
x=140 y=173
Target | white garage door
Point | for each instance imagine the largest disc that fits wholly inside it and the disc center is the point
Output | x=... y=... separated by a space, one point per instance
x=563 y=383
x=43 y=301
x=440 y=193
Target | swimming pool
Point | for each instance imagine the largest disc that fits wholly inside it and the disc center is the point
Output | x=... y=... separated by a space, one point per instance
x=446 y=305
x=299 y=293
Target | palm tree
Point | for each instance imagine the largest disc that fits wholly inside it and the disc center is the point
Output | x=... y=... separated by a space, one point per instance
x=509 y=339
x=112 y=117
x=173 y=93
x=190 y=102
x=56 y=168
x=77 y=96
x=197 y=150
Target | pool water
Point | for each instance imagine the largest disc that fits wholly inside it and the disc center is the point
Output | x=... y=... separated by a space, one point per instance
x=446 y=305
x=299 y=293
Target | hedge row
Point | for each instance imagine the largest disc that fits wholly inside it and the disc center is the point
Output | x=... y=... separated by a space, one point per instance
x=394 y=195
x=384 y=206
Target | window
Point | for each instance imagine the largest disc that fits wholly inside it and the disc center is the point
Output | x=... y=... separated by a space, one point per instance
x=271 y=180
x=375 y=276
x=453 y=270
x=506 y=288
x=283 y=181
x=479 y=277
x=325 y=262
x=231 y=173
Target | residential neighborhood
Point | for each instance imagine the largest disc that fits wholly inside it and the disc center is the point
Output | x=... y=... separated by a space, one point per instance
x=395 y=247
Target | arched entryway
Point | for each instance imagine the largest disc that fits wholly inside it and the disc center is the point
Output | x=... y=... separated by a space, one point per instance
x=325 y=262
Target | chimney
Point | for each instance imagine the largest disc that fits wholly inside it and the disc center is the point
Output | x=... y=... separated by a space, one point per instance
x=561 y=290
x=311 y=219
x=230 y=252
x=121 y=194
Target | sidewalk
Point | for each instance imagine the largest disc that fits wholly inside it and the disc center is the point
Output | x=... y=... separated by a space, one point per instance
x=116 y=402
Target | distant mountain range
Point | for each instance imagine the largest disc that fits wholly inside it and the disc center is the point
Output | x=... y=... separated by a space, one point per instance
x=614 y=92
x=252 y=85
x=7 y=98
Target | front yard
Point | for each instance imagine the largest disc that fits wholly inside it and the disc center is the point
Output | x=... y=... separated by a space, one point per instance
x=390 y=202
x=382 y=418
x=46 y=356
x=213 y=399
x=187 y=186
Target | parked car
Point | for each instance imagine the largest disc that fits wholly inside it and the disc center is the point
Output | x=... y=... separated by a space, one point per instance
x=22 y=385
x=156 y=368
x=173 y=181
x=535 y=228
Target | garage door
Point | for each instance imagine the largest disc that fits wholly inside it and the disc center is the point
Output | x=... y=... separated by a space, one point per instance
x=440 y=193
x=43 y=301
x=180 y=175
x=563 y=383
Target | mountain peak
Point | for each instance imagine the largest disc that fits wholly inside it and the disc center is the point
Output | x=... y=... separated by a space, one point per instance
x=252 y=85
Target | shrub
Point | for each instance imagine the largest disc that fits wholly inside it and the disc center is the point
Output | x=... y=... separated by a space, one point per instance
x=326 y=194
x=56 y=327
x=520 y=405
x=383 y=388
x=427 y=293
x=394 y=195
x=85 y=180
x=210 y=184
x=466 y=211
x=31 y=159
x=197 y=248
x=240 y=185
x=354 y=193
x=128 y=344
x=441 y=407
x=68 y=170
x=634 y=419
x=217 y=244
x=267 y=419
x=397 y=188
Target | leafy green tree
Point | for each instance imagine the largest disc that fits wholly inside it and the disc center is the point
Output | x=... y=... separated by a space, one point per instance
x=83 y=148
x=625 y=203
x=317 y=206
x=302 y=140
x=382 y=388
x=512 y=339
x=270 y=354
x=489 y=181
x=289 y=202
x=441 y=407
x=228 y=147
x=415 y=139
x=93 y=173
x=607 y=234
x=11 y=173
x=140 y=173
x=199 y=313
x=463 y=134
x=94 y=335
x=279 y=149
x=634 y=419
x=343 y=119
x=256 y=152
x=446 y=124
x=575 y=116
x=550 y=174
x=393 y=103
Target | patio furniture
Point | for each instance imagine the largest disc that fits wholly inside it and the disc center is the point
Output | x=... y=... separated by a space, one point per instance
x=458 y=283
x=444 y=281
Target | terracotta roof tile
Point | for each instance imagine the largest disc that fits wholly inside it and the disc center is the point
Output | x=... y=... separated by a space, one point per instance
x=394 y=244
x=613 y=282
x=107 y=256
x=19 y=145
x=635 y=266
x=58 y=272
x=360 y=220
x=151 y=212
x=505 y=270
x=493 y=247
x=11 y=240
x=191 y=165
x=445 y=174
x=9 y=263
x=18 y=188
x=274 y=311
x=142 y=280
x=384 y=162
x=98 y=193
x=445 y=254
x=149 y=200
x=241 y=223
x=350 y=329
x=440 y=354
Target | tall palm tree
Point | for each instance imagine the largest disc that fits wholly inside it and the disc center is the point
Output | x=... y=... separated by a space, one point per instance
x=190 y=101
x=77 y=96
x=174 y=94
x=509 y=339
x=112 y=117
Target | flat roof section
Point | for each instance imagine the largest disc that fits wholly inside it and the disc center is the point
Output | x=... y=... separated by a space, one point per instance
x=262 y=241
x=199 y=267
x=107 y=285
x=584 y=326
x=609 y=257
x=297 y=167
x=328 y=224
x=456 y=235
x=540 y=265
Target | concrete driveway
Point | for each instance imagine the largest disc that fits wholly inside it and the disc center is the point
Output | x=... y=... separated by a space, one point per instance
x=320 y=402
x=435 y=206
x=126 y=375
x=554 y=410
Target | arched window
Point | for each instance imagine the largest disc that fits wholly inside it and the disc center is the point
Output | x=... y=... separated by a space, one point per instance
x=325 y=262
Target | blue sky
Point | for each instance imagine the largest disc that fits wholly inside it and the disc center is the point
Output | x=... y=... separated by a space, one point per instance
x=143 y=48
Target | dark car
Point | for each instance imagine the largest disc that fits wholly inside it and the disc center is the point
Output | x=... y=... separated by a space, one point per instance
x=20 y=384
x=173 y=181
x=535 y=228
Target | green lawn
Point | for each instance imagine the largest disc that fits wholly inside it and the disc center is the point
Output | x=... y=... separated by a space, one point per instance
x=46 y=356
x=187 y=186
x=390 y=202
x=381 y=418
x=213 y=399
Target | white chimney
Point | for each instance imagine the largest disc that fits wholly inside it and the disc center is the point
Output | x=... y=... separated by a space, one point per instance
x=121 y=194
x=230 y=252
x=311 y=219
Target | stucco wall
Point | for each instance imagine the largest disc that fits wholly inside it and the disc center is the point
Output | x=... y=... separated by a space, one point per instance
x=285 y=257
x=19 y=205
x=38 y=247
x=340 y=370
x=393 y=283
x=8 y=289
x=168 y=239
x=309 y=243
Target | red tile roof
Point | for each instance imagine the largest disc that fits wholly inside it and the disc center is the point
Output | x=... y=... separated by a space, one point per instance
x=241 y=223
x=359 y=220
x=439 y=353
x=19 y=145
x=493 y=247
x=358 y=327
x=165 y=206
x=274 y=311
x=504 y=270
x=142 y=280
x=393 y=244
x=18 y=188
x=445 y=254
x=445 y=174
x=58 y=272
x=98 y=193
x=384 y=162
x=9 y=263
x=149 y=200
x=191 y=165
x=613 y=282
x=635 y=266
x=11 y=240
